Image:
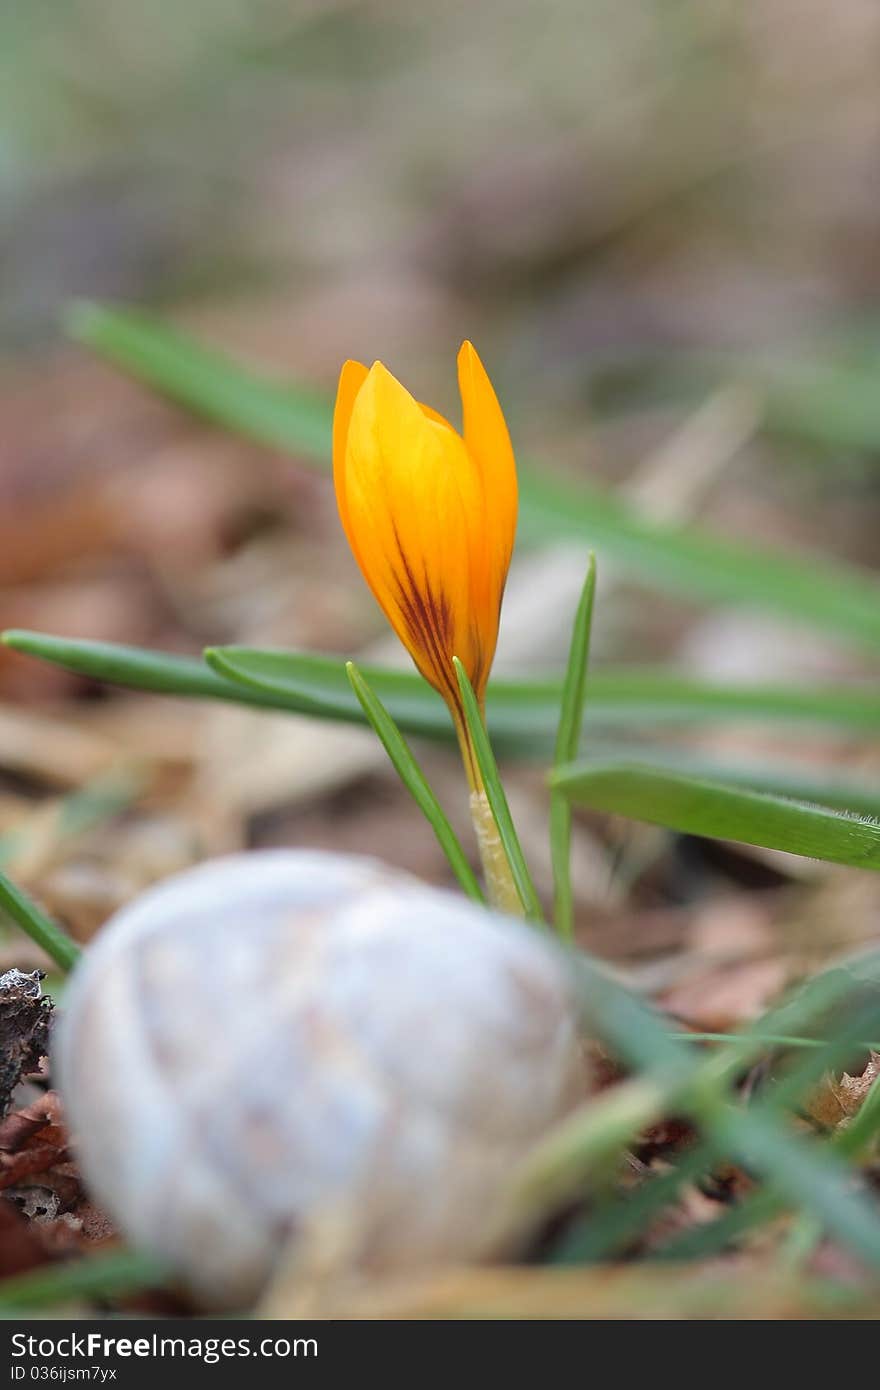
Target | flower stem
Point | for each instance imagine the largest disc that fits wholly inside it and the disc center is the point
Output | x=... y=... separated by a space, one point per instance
x=500 y=885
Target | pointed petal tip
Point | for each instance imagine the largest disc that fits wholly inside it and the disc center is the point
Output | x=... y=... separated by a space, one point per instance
x=383 y=385
x=351 y=364
x=378 y=368
x=352 y=375
x=378 y=374
x=466 y=351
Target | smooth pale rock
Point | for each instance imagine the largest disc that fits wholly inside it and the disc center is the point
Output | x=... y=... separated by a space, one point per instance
x=280 y=1039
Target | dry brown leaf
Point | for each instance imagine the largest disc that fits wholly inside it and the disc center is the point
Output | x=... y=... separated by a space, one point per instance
x=33 y=1142
x=54 y=751
x=836 y=1100
x=24 y=1029
x=21 y=1248
x=719 y=998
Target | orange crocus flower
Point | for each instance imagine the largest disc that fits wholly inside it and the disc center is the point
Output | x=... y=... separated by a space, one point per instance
x=430 y=515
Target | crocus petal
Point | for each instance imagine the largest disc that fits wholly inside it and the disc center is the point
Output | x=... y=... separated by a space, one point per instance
x=415 y=514
x=429 y=513
x=435 y=415
x=351 y=379
x=488 y=443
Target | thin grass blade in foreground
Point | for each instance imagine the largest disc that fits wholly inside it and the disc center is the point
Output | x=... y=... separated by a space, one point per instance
x=567 y=743
x=414 y=780
x=670 y=1078
x=623 y=1219
x=519 y=711
x=92 y=1276
x=824 y=396
x=817 y=592
x=279 y=415
x=814 y=1175
x=696 y=807
x=638 y=697
x=37 y=925
x=522 y=715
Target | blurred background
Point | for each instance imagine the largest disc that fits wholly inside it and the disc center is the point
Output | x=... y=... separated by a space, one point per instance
x=629 y=208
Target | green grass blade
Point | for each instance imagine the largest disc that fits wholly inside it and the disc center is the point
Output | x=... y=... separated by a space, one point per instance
x=864 y=1127
x=321 y=681
x=788 y=778
x=821 y=594
x=414 y=780
x=35 y=923
x=817 y=592
x=806 y=1172
x=749 y=1039
x=673 y=1078
x=138 y=669
x=764 y=1205
x=282 y=416
x=802 y=1174
x=830 y=404
x=608 y=1230
x=861 y=1021
x=824 y=395
x=93 y=1276
x=522 y=714
x=567 y=742
x=697 y=807
x=715 y=1236
x=643 y=696
x=519 y=711
x=496 y=797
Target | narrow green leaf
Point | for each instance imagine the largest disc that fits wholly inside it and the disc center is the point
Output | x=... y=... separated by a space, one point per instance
x=749 y=1039
x=40 y=928
x=768 y=1203
x=161 y=672
x=816 y=591
x=282 y=416
x=567 y=743
x=520 y=712
x=320 y=682
x=820 y=593
x=415 y=781
x=820 y=1009
x=813 y=1175
x=861 y=1021
x=831 y=404
x=696 y=807
x=609 y=1229
x=528 y=710
x=635 y=1032
x=578 y=1149
x=496 y=796
x=641 y=696
x=787 y=778
x=825 y=396
x=864 y=1127
x=673 y=1078
x=698 y=1242
x=93 y=1276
